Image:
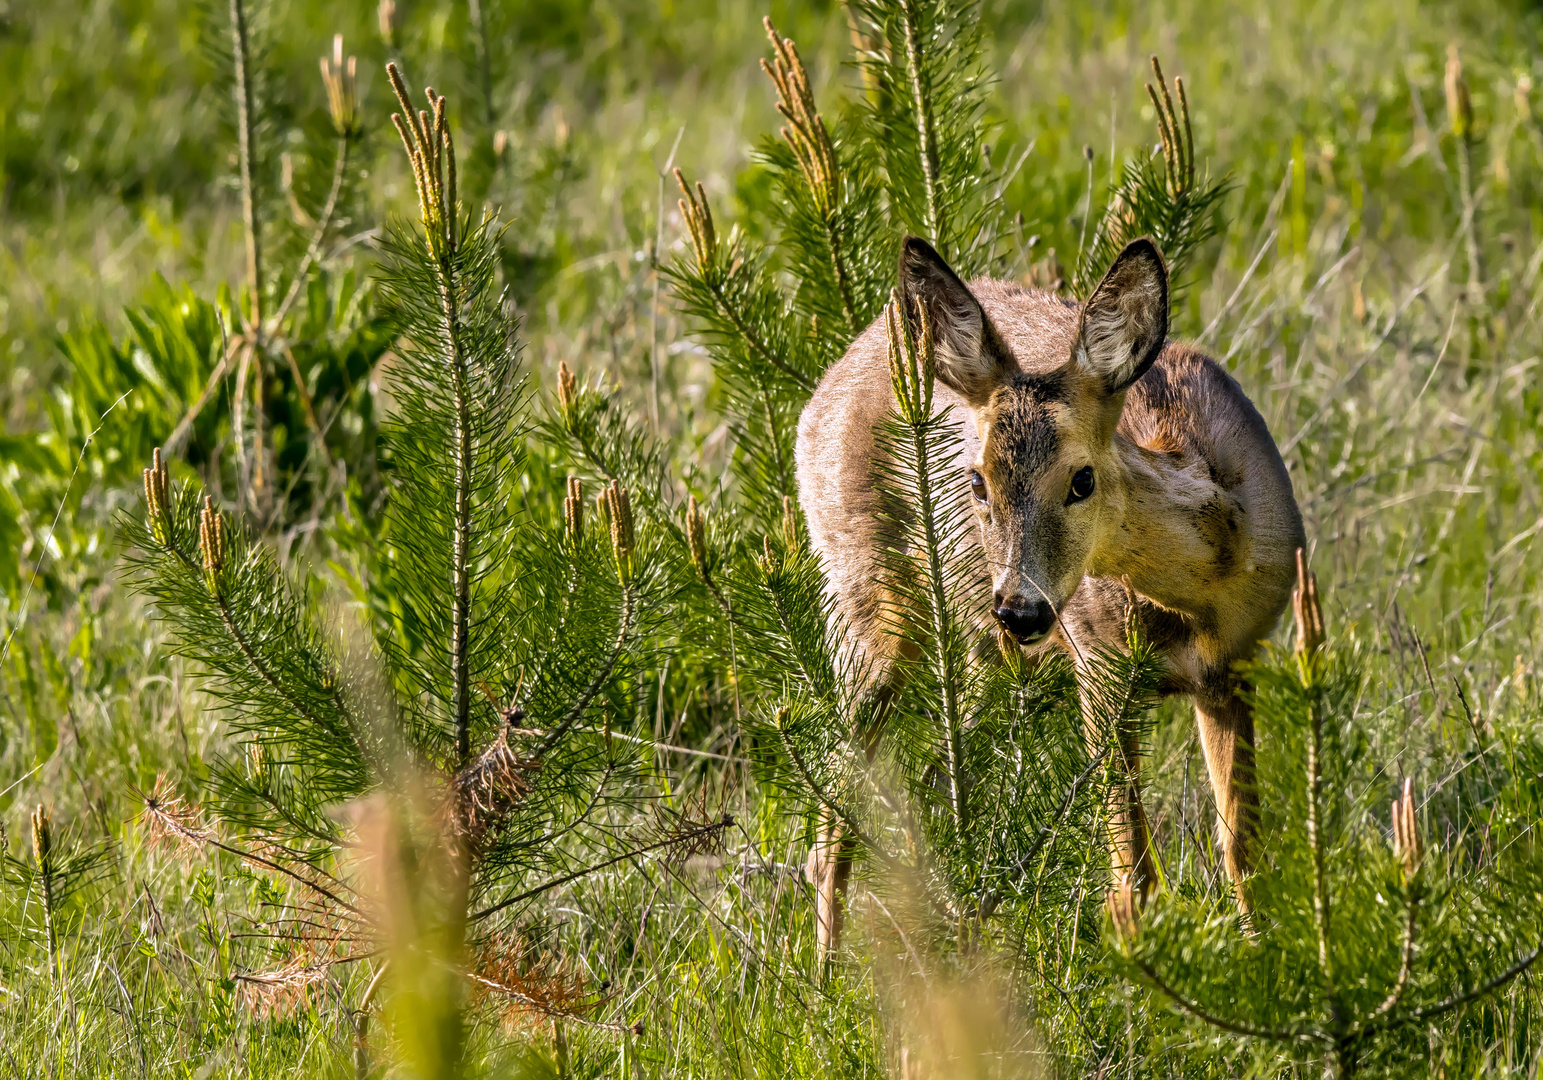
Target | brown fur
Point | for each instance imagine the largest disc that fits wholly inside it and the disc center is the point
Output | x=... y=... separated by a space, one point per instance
x=1192 y=507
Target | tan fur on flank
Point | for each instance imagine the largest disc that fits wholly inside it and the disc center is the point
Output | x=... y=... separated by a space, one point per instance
x=1191 y=505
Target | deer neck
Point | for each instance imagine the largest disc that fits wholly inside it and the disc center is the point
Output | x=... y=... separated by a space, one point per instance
x=1178 y=534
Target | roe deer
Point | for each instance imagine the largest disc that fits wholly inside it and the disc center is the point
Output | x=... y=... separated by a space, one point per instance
x=1098 y=457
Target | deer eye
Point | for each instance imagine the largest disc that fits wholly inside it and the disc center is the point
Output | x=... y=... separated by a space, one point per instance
x=978 y=486
x=1082 y=485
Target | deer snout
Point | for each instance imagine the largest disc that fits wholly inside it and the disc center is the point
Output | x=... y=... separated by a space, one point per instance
x=1027 y=620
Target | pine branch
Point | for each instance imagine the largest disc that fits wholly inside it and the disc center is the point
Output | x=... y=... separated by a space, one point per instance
x=1405 y=966
x=926 y=133
x=251 y=367
x=245 y=121
x=313 y=249
x=432 y=153
x=597 y=683
x=1165 y=203
x=809 y=139
x=1232 y=1027
x=708 y=829
x=713 y=278
x=798 y=635
x=166 y=817
x=993 y=897
x=829 y=805
x=925 y=124
x=212 y=532
x=1515 y=971
x=912 y=367
x=231 y=610
x=42 y=852
x=1321 y=899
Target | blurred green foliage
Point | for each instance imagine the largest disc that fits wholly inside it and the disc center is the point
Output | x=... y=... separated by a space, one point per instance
x=1409 y=418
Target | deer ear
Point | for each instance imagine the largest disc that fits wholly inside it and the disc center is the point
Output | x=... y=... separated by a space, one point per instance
x=970 y=359
x=1125 y=322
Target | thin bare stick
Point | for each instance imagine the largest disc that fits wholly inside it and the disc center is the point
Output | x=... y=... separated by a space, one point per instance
x=21 y=615
x=313 y=251
x=702 y=830
x=1232 y=1026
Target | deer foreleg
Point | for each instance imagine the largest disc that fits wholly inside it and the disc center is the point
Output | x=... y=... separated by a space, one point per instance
x=1227 y=739
x=1130 y=847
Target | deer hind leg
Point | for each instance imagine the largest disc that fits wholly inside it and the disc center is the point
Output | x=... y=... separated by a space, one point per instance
x=1227 y=740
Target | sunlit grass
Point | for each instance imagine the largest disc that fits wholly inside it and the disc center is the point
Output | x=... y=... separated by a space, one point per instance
x=1408 y=414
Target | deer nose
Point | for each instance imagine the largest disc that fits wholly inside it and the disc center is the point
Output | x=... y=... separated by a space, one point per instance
x=1026 y=620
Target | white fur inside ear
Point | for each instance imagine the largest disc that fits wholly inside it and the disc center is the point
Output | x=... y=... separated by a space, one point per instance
x=957 y=343
x=1122 y=325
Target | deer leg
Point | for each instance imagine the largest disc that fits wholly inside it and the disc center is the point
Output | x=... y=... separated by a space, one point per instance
x=1227 y=739
x=830 y=860
x=830 y=871
x=1130 y=849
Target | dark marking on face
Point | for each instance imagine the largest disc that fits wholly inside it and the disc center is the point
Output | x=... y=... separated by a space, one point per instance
x=1025 y=531
x=1024 y=437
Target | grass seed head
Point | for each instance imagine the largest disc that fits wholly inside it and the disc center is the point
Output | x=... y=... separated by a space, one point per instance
x=696 y=538
x=341 y=78
x=1459 y=103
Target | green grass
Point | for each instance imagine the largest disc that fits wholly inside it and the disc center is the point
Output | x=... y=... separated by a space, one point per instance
x=1409 y=420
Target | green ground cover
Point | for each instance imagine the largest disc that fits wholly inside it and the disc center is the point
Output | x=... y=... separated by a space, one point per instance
x=1373 y=283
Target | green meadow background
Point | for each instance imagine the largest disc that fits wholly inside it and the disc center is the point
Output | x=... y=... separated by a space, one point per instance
x=1375 y=287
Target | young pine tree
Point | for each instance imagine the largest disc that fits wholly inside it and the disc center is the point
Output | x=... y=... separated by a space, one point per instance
x=980 y=766
x=1377 y=943
x=420 y=787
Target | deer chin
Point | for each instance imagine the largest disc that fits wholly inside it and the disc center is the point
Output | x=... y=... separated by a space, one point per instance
x=1028 y=640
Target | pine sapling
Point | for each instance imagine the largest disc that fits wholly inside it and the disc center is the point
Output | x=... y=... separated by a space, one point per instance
x=1161 y=196
x=43 y=855
x=1359 y=999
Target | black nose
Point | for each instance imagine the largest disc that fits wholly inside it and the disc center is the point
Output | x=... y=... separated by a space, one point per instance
x=1026 y=620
